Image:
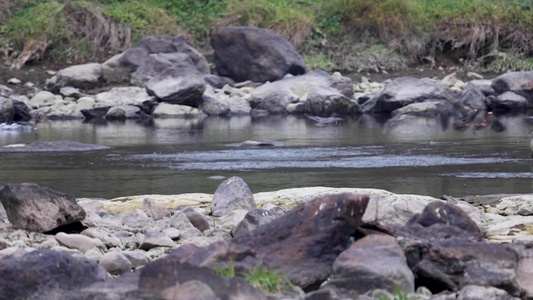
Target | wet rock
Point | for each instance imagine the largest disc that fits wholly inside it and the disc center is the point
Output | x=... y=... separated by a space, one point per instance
x=232 y=194
x=42 y=272
x=165 y=110
x=52 y=146
x=178 y=86
x=7 y=111
x=429 y=109
x=115 y=262
x=21 y=111
x=84 y=76
x=32 y=207
x=95 y=112
x=78 y=241
x=373 y=262
x=253 y=219
x=154 y=239
x=403 y=91
x=508 y=101
x=520 y=83
x=123 y=112
x=250 y=53
x=326 y=101
x=274 y=97
x=154 y=210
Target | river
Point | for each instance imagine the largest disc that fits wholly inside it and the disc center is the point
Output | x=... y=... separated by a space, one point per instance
x=174 y=156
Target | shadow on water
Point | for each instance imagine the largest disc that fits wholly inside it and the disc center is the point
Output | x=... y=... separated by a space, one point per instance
x=170 y=156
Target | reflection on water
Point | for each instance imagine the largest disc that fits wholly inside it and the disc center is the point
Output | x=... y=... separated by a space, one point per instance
x=170 y=156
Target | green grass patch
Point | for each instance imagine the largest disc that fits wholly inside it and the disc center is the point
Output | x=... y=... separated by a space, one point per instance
x=505 y=62
x=319 y=62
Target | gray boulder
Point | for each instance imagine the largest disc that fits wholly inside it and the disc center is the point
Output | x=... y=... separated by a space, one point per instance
x=213 y=104
x=84 y=76
x=170 y=44
x=7 y=111
x=124 y=96
x=232 y=194
x=5 y=91
x=32 y=207
x=118 y=68
x=197 y=219
x=165 y=110
x=403 y=91
x=520 y=83
x=154 y=239
x=327 y=101
x=123 y=112
x=256 y=54
x=429 y=109
x=373 y=262
x=508 y=101
x=276 y=96
x=178 y=86
x=156 y=63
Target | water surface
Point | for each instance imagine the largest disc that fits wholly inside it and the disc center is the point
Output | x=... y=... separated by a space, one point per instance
x=172 y=156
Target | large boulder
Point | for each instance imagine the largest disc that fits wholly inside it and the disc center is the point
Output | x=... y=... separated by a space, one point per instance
x=303 y=243
x=118 y=68
x=46 y=274
x=508 y=101
x=276 y=96
x=156 y=63
x=182 y=86
x=256 y=54
x=124 y=96
x=172 y=44
x=403 y=91
x=232 y=194
x=7 y=111
x=32 y=207
x=517 y=82
x=327 y=101
x=84 y=76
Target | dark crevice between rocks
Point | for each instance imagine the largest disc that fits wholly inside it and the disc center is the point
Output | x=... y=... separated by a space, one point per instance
x=75 y=227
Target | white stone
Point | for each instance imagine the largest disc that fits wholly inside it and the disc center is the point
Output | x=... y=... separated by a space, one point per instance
x=78 y=241
x=14 y=81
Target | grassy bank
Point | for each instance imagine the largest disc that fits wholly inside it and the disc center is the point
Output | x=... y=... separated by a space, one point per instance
x=349 y=35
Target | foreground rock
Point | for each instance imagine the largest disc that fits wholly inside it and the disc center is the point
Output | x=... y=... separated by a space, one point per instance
x=301 y=244
x=46 y=274
x=32 y=207
x=256 y=54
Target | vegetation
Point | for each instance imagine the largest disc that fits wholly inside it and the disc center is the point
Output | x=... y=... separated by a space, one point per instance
x=267 y=281
x=397 y=294
x=327 y=32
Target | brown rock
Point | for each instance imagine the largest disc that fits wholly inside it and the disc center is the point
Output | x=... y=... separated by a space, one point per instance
x=32 y=207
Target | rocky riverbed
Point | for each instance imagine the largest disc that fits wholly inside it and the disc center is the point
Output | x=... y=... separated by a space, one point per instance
x=331 y=243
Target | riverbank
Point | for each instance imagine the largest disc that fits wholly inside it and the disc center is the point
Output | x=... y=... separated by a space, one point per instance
x=141 y=238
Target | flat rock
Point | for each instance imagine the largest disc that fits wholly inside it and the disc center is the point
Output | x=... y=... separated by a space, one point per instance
x=78 y=241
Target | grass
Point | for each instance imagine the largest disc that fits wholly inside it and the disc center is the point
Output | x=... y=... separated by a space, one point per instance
x=81 y=30
x=397 y=294
x=319 y=62
x=261 y=278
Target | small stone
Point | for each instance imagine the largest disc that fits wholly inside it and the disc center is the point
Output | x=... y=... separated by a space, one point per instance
x=190 y=232
x=474 y=75
x=29 y=84
x=50 y=72
x=137 y=258
x=154 y=210
x=230 y=195
x=115 y=262
x=156 y=239
x=172 y=233
x=197 y=219
x=14 y=81
x=94 y=253
x=78 y=241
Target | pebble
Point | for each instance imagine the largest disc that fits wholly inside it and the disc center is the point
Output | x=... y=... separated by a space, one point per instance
x=14 y=81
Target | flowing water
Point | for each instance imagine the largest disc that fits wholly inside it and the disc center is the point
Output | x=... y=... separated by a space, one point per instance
x=173 y=156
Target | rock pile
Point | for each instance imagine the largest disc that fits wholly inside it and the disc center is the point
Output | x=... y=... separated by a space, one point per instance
x=330 y=243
